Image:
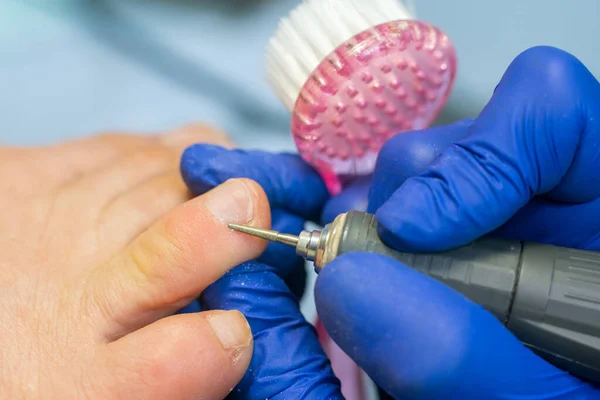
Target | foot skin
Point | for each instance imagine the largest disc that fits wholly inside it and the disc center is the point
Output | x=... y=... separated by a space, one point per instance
x=100 y=244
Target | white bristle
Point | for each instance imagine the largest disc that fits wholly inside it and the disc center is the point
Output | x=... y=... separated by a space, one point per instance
x=313 y=30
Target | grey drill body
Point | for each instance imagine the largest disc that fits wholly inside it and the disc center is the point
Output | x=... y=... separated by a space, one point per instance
x=547 y=296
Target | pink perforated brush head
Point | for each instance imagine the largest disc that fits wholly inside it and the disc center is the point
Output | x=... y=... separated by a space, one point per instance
x=388 y=79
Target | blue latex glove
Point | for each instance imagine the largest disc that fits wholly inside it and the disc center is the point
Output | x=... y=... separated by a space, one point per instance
x=526 y=168
x=476 y=357
x=288 y=362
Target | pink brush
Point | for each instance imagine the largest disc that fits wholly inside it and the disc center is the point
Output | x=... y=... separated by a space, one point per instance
x=355 y=73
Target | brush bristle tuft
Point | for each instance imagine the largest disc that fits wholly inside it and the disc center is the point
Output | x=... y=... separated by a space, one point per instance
x=312 y=31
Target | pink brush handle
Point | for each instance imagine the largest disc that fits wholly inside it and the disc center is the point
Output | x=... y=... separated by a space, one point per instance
x=388 y=79
x=343 y=366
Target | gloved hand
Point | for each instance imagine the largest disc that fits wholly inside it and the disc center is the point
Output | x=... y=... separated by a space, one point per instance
x=389 y=317
x=526 y=168
x=288 y=362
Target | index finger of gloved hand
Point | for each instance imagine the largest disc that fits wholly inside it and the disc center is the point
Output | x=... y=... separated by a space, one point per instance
x=288 y=361
x=288 y=181
x=575 y=226
x=541 y=220
x=419 y=339
x=538 y=135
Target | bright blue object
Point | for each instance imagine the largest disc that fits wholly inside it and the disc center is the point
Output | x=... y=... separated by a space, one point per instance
x=525 y=168
x=288 y=362
x=285 y=178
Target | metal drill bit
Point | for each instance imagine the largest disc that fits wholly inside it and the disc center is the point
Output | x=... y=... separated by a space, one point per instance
x=267 y=234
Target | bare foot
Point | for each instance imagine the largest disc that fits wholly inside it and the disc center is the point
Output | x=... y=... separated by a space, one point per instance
x=100 y=243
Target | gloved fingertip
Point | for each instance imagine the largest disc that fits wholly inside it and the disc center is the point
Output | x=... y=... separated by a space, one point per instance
x=391 y=237
x=192 y=167
x=287 y=180
x=415 y=219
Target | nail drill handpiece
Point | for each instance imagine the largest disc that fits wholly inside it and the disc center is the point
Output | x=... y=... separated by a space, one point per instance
x=309 y=244
x=548 y=296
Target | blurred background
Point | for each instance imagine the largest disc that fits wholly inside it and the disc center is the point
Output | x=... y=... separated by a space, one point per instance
x=72 y=68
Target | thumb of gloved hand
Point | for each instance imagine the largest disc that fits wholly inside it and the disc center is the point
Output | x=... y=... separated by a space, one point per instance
x=419 y=339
